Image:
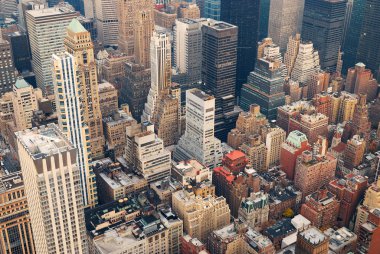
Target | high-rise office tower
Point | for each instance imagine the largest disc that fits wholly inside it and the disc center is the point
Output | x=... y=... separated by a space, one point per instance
x=43 y=25
x=53 y=191
x=198 y=141
x=291 y=53
x=360 y=80
x=8 y=7
x=160 y=53
x=306 y=64
x=368 y=48
x=25 y=101
x=235 y=13
x=285 y=20
x=78 y=43
x=16 y=231
x=347 y=19
x=265 y=87
x=188 y=49
x=106 y=22
x=136 y=25
x=89 y=9
x=22 y=58
x=219 y=55
x=71 y=119
x=351 y=41
x=323 y=23
x=212 y=9
x=264 y=18
x=7 y=68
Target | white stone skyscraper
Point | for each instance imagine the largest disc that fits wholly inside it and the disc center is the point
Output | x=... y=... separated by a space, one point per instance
x=199 y=142
x=46 y=31
x=71 y=119
x=188 y=49
x=52 y=186
x=160 y=55
x=285 y=20
x=306 y=64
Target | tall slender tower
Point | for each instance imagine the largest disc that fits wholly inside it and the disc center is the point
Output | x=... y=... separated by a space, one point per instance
x=368 y=48
x=78 y=43
x=235 y=13
x=71 y=119
x=160 y=53
x=285 y=20
x=323 y=24
x=49 y=167
x=106 y=21
x=135 y=27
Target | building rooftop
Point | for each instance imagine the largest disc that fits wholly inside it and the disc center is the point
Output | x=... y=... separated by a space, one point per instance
x=283 y=227
x=126 y=234
x=256 y=240
x=102 y=218
x=116 y=178
x=76 y=27
x=44 y=141
x=313 y=235
x=296 y=138
x=200 y=94
x=21 y=83
x=58 y=10
x=9 y=181
x=340 y=238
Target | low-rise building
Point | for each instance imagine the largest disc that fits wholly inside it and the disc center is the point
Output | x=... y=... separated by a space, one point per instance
x=342 y=240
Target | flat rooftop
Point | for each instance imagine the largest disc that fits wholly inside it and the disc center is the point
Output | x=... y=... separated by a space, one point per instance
x=37 y=13
x=313 y=235
x=9 y=181
x=340 y=237
x=201 y=95
x=44 y=141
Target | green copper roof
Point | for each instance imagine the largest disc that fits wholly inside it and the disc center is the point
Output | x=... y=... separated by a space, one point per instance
x=21 y=83
x=296 y=138
x=76 y=26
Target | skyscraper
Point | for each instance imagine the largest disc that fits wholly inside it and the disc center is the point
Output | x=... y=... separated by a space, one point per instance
x=7 y=68
x=78 y=43
x=323 y=23
x=212 y=9
x=265 y=87
x=136 y=26
x=160 y=53
x=285 y=20
x=351 y=42
x=46 y=31
x=106 y=22
x=219 y=55
x=368 y=47
x=198 y=141
x=71 y=119
x=188 y=49
x=244 y=14
x=264 y=18
x=52 y=187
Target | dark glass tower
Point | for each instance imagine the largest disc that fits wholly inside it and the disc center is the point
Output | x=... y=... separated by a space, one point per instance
x=219 y=54
x=323 y=23
x=264 y=19
x=351 y=42
x=244 y=14
x=22 y=56
x=265 y=87
x=368 y=48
